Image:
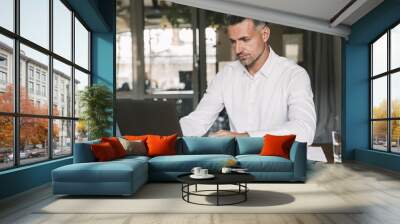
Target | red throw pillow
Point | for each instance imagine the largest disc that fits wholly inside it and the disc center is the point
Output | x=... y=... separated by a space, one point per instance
x=161 y=145
x=277 y=145
x=103 y=151
x=116 y=145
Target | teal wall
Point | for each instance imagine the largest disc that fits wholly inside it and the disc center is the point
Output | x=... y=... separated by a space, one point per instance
x=24 y=178
x=379 y=159
x=356 y=86
x=103 y=67
x=103 y=52
x=99 y=16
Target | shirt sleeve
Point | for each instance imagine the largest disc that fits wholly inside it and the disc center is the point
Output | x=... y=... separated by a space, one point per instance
x=301 y=111
x=202 y=118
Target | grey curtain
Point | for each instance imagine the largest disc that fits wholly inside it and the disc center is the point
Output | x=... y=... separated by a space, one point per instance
x=322 y=60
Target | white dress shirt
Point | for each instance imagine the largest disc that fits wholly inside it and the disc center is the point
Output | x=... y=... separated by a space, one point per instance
x=277 y=100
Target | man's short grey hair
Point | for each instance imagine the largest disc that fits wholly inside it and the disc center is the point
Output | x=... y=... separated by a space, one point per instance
x=233 y=20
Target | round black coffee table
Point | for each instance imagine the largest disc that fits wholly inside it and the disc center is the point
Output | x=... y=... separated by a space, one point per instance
x=238 y=179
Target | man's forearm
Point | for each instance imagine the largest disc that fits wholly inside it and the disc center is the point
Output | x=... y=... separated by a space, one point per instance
x=225 y=133
x=243 y=134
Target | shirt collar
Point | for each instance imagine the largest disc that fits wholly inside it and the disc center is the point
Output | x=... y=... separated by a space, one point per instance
x=267 y=66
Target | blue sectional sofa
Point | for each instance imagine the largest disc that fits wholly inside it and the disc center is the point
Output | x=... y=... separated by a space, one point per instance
x=125 y=176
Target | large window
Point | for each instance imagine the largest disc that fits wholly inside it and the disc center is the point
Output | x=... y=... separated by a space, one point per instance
x=168 y=50
x=385 y=92
x=44 y=64
x=158 y=52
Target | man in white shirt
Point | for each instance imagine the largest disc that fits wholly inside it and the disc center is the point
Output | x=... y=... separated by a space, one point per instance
x=262 y=92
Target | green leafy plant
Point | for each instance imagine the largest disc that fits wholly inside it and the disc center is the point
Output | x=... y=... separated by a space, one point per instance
x=180 y=15
x=96 y=104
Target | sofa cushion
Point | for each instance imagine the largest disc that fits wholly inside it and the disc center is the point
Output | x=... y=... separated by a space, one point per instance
x=131 y=158
x=111 y=171
x=185 y=163
x=207 y=145
x=257 y=163
x=249 y=145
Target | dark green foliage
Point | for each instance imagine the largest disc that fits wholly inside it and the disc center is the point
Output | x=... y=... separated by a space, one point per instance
x=96 y=104
x=181 y=16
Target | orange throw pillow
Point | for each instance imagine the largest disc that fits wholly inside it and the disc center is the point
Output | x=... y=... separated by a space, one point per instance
x=161 y=145
x=277 y=145
x=103 y=151
x=116 y=145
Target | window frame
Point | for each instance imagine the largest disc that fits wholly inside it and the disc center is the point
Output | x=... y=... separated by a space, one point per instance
x=388 y=74
x=16 y=114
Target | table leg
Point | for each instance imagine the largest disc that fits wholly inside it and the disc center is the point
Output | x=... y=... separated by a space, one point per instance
x=182 y=188
x=188 y=189
x=245 y=193
x=196 y=188
x=217 y=194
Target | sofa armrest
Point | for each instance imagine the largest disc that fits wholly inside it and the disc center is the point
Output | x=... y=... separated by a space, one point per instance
x=298 y=155
x=83 y=152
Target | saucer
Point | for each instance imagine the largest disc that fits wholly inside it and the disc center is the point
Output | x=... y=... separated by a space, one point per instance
x=208 y=176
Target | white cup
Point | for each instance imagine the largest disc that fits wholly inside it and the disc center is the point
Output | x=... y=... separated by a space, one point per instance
x=226 y=170
x=196 y=170
x=203 y=172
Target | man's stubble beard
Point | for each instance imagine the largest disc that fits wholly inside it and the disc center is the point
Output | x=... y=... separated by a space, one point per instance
x=251 y=63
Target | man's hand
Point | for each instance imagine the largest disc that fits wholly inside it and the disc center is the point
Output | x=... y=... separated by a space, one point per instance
x=225 y=133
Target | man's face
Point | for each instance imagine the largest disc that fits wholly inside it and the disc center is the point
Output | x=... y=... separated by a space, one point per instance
x=248 y=41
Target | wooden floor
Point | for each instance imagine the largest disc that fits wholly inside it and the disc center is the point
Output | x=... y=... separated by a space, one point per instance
x=379 y=189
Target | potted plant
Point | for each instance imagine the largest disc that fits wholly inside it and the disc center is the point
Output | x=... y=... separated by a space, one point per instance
x=96 y=104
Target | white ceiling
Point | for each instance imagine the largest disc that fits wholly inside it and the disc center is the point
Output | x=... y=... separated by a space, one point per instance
x=321 y=9
x=315 y=15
